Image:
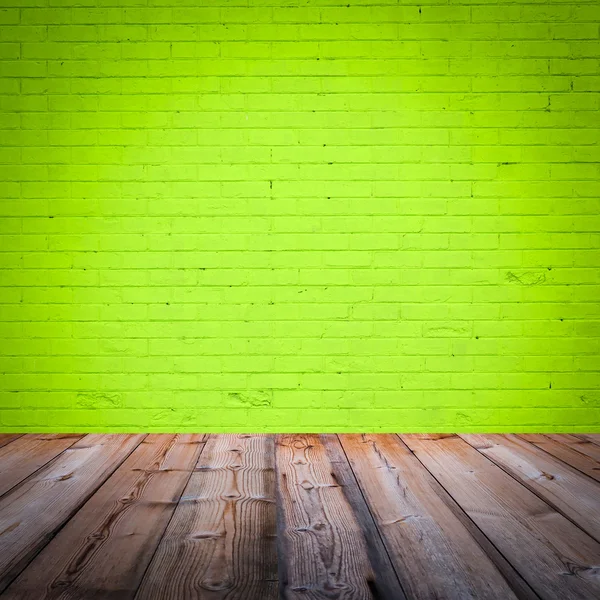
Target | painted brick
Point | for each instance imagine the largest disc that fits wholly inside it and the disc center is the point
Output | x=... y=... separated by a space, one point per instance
x=272 y=217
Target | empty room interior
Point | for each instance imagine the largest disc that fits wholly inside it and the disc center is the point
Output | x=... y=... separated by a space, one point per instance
x=299 y=300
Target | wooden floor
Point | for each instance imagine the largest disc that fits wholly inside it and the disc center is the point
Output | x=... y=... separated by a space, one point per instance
x=299 y=516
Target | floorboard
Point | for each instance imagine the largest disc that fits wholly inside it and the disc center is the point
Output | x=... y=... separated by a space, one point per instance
x=594 y=437
x=555 y=557
x=562 y=487
x=221 y=540
x=7 y=438
x=106 y=547
x=580 y=444
x=386 y=583
x=299 y=517
x=418 y=528
x=569 y=452
x=24 y=456
x=32 y=513
x=323 y=551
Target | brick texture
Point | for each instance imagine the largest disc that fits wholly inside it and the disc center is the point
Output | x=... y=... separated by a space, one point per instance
x=299 y=215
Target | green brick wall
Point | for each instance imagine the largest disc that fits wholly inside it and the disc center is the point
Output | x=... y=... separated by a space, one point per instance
x=293 y=215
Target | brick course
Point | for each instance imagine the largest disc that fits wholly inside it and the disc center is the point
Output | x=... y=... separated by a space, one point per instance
x=299 y=215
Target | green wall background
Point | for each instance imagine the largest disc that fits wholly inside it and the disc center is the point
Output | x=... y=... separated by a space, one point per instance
x=277 y=215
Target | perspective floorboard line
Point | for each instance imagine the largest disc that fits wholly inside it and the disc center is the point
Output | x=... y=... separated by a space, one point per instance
x=418 y=528
x=386 y=583
x=299 y=517
x=321 y=540
x=569 y=452
x=581 y=444
x=114 y=536
x=539 y=542
x=31 y=513
x=594 y=438
x=564 y=488
x=7 y=438
x=221 y=540
x=27 y=454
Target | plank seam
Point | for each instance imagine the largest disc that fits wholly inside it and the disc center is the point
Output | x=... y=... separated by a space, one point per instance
x=525 y=591
x=183 y=488
x=4 y=444
x=568 y=447
x=54 y=533
x=371 y=515
x=533 y=491
x=53 y=459
x=584 y=438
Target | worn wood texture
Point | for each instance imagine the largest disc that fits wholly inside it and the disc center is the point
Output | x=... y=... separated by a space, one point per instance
x=7 y=438
x=418 y=528
x=249 y=517
x=580 y=444
x=27 y=454
x=323 y=547
x=569 y=452
x=562 y=487
x=221 y=540
x=590 y=437
x=552 y=554
x=386 y=583
x=106 y=547
x=31 y=513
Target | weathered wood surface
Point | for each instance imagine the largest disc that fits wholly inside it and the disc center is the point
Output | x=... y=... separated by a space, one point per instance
x=581 y=444
x=572 y=453
x=24 y=456
x=556 y=558
x=104 y=550
x=418 y=528
x=31 y=513
x=221 y=540
x=590 y=437
x=7 y=438
x=323 y=544
x=386 y=583
x=562 y=487
x=260 y=517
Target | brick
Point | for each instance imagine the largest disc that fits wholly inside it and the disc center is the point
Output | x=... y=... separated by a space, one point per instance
x=377 y=214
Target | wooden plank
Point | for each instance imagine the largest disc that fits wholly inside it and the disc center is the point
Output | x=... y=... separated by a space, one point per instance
x=567 y=451
x=594 y=438
x=7 y=438
x=552 y=554
x=564 y=488
x=221 y=540
x=31 y=513
x=104 y=550
x=27 y=454
x=323 y=551
x=580 y=444
x=386 y=583
x=418 y=527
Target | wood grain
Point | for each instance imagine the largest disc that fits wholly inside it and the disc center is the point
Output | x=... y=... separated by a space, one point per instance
x=562 y=448
x=31 y=513
x=323 y=551
x=582 y=445
x=106 y=547
x=564 y=488
x=7 y=438
x=553 y=555
x=27 y=454
x=590 y=437
x=386 y=583
x=221 y=540
x=418 y=528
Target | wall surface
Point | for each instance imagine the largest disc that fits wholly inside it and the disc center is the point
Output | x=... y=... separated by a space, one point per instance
x=298 y=215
